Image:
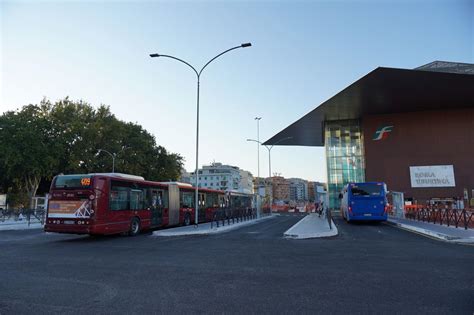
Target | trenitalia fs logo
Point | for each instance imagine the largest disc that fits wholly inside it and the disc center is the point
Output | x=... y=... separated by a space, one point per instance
x=382 y=133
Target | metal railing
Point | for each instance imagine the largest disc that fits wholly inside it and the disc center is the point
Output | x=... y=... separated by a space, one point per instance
x=233 y=215
x=438 y=215
x=28 y=215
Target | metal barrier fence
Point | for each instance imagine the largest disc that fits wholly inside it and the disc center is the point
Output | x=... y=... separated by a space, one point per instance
x=28 y=215
x=450 y=217
x=236 y=215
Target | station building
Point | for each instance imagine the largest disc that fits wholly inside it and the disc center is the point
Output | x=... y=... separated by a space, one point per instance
x=412 y=129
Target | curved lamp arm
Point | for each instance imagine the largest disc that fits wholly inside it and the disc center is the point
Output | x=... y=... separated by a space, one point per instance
x=270 y=147
x=175 y=58
x=112 y=155
x=240 y=46
x=281 y=140
x=198 y=74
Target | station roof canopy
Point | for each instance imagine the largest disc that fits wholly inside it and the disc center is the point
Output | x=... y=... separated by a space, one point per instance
x=384 y=91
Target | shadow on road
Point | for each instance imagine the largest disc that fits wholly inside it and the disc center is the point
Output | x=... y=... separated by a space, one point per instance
x=91 y=238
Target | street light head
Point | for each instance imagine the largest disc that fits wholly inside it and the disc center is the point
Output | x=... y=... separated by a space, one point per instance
x=246 y=45
x=258 y=118
x=154 y=55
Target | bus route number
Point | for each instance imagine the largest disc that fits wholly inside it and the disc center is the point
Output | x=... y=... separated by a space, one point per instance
x=85 y=181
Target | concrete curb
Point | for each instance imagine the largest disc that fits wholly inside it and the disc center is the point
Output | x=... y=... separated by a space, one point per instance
x=293 y=232
x=192 y=231
x=431 y=234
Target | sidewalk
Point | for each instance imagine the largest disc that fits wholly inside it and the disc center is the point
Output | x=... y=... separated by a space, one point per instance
x=10 y=224
x=205 y=228
x=441 y=232
x=311 y=226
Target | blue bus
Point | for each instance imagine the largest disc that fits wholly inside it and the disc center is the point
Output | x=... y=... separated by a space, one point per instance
x=364 y=201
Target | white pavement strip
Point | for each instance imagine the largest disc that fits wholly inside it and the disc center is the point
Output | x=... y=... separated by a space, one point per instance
x=311 y=226
x=205 y=228
x=19 y=225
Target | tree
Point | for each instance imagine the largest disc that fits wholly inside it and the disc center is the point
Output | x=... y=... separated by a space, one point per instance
x=29 y=149
x=42 y=140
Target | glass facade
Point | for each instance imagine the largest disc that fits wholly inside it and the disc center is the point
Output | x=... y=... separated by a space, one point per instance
x=344 y=156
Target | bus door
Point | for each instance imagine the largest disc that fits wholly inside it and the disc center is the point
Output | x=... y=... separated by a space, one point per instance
x=202 y=207
x=173 y=208
x=101 y=202
x=222 y=201
x=157 y=206
x=119 y=208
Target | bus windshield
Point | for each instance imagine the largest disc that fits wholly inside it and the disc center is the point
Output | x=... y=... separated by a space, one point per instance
x=73 y=181
x=366 y=190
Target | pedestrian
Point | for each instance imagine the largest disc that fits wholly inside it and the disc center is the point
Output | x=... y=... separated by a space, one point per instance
x=318 y=208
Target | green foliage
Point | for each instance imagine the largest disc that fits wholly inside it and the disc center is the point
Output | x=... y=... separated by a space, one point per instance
x=18 y=199
x=42 y=140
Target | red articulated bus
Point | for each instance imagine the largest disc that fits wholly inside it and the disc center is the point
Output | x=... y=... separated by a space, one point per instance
x=110 y=203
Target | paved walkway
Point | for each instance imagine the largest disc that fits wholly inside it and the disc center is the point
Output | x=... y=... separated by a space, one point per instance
x=205 y=228
x=442 y=232
x=311 y=226
x=11 y=224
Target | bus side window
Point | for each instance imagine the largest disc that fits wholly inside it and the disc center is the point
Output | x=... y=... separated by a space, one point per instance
x=212 y=200
x=136 y=199
x=187 y=200
x=119 y=197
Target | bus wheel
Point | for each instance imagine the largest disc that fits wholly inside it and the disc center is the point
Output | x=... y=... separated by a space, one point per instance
x=187 y=219
x=134 y=227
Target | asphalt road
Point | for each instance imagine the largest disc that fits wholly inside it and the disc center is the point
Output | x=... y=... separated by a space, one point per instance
x=368 y=268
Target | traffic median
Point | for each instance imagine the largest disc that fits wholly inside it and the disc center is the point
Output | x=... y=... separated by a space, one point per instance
x=210 y=227
x=312 y=226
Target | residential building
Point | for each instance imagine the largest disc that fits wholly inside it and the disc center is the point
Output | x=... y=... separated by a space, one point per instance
x=311 y=195
x=246 y=181
x=185 y=176
x=281 y=188
x=298 y=189
x=223 y=177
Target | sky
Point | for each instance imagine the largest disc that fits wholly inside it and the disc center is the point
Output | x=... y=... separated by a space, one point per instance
x=303 y=53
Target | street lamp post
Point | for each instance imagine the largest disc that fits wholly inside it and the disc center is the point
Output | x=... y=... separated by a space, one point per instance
x=113 y=155
x=258 y=147
x=198 y=75
x=269 y=148
x=258 y=165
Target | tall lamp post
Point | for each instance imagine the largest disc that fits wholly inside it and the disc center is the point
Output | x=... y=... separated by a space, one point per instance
x=198 y=75
x=113 y=155
x=258 y=147
x=258 y=167
x=269 y=148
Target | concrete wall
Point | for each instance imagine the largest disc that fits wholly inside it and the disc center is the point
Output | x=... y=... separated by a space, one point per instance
x=420 y=139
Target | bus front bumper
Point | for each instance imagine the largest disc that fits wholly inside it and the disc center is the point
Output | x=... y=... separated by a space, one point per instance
x=368 y=218
x=71 y=229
